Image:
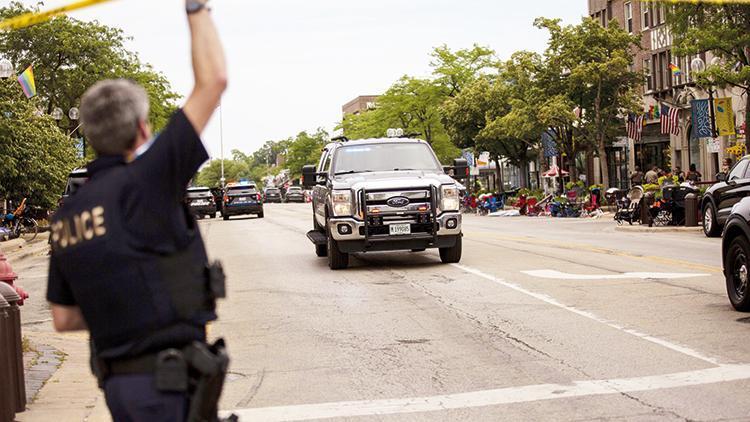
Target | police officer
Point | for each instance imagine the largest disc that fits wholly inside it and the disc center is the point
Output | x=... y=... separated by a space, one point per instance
x=128 y=263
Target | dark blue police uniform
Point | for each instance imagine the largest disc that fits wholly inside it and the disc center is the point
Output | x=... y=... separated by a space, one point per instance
x=129 y=255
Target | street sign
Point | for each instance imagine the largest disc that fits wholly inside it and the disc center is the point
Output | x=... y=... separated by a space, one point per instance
x=79 y=148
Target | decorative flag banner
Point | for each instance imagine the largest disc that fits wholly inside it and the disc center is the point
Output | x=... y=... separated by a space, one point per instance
x=670 y=120
x=635 y=127
x=701 y=120
x=548 y=145
x=34 y=18
x=676 y=71
x=725 y=123
x=27 y=82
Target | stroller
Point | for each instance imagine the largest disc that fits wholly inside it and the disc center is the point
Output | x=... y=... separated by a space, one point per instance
x=629 y=207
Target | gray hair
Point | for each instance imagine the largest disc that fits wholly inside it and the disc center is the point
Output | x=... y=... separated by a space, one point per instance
x=110 y=113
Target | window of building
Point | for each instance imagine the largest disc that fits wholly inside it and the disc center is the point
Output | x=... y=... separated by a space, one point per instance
x=629 y=17
x=649 y=75
x=661 y=14
x=646 y=9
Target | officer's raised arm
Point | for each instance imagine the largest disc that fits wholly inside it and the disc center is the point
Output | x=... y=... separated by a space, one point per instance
x=209 y=66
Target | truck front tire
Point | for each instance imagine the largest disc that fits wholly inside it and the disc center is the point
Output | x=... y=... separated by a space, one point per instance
x=452 y=255
x=337 y=260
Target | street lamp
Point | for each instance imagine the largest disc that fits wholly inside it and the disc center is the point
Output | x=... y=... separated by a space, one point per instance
x=57 y=114
x=698 y=65
x=74 y=114
x=6 y=69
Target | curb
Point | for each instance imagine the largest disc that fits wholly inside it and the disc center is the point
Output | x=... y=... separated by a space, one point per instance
x=646 y=229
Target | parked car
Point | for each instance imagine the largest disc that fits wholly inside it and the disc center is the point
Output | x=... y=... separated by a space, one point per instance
x=201 y=202
x=736 y=255
x=720 y=198
x=242 y=200
x=272 y=195
x=294 y=194
x=76 y=179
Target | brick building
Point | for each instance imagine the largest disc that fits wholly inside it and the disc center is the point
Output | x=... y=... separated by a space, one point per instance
x=662 y=87
x=360 y=104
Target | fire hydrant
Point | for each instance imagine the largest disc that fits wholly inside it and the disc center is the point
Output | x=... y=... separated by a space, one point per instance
x=9 y=277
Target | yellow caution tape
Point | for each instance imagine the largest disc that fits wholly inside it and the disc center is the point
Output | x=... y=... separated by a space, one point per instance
x=34 y=18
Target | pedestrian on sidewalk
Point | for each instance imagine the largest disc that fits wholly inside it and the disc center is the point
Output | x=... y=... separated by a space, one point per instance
x=652 y=176
x=128 y=263
x=636 y=177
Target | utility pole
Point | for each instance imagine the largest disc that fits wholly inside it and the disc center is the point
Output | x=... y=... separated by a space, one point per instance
x=221 y=138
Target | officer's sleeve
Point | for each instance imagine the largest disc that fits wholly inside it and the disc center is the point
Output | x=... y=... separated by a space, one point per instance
x=58 y=289
x=175 y=156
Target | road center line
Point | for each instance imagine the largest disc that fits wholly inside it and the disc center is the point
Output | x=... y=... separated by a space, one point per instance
x=551 y=301
x=524 y=394
x=557 y=275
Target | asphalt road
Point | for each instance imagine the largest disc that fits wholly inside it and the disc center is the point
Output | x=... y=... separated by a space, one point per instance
x=542 y=320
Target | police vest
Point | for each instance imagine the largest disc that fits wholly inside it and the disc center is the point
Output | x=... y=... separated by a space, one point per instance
x=130 y=292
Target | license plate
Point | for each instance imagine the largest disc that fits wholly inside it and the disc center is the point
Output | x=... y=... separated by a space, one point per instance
x=198 y=203
x=242 y=199
x=400 y=229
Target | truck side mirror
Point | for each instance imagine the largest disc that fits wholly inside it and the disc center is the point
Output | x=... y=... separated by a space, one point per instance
x=461 y=168
x=309 y=176
x=721 y=177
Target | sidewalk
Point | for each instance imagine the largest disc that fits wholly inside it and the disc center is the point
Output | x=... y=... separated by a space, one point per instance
x=71 y=394
x=637 y=228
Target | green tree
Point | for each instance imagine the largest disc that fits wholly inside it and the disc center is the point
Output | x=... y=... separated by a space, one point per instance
x=595 y=62
x=36 y=155
x=69 y=56
x=469 y=119
x=210 y=175
x=723 y=30
x=456 y=69
x=305 y=149
x=412 y=104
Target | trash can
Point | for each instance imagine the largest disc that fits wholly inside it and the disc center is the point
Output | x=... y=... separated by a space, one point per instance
x=691 y=210
x=7 y=388
x=646 y=203
x=16 y=351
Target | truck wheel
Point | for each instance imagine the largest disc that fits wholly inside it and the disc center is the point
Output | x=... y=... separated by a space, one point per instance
x=260 y=215
x=451 y=255
x=737 y=273
x=337 y=260
x=226 y=217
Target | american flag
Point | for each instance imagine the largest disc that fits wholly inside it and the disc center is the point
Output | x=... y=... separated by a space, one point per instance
x=670 y=120
x=635 y=127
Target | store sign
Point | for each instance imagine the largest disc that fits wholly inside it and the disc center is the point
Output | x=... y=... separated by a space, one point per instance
x=713 y=146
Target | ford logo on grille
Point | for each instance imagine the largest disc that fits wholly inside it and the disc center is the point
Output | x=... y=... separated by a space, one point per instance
x=398 y=202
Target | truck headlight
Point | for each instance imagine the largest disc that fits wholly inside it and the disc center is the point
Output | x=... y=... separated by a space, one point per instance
x=342 y=203
x=449 y=200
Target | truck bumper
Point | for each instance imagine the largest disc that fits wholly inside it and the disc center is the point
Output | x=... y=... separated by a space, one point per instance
x=242 y=210
x=449 y=228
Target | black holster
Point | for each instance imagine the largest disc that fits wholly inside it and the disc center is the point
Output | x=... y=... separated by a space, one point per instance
x=209 y=364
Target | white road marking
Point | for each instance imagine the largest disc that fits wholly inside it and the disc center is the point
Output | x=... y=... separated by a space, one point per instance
x=557 y=275
x=525 y=394
x=551 y=301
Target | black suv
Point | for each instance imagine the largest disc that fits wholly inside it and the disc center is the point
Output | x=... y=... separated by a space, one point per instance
x=201 y=202
x=272 y=195
x=242 y=200
x=294 y=194
x=720 y=198
x=736 y=255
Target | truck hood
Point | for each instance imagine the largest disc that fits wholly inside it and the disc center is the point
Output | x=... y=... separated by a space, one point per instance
x=392 y=180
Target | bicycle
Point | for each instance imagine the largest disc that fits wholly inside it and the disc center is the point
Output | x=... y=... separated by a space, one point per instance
x=17 y=225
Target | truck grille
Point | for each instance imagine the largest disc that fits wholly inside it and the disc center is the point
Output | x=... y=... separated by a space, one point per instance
x=379 y=211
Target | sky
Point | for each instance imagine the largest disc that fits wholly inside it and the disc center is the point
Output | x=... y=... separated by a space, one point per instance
x=294 y=63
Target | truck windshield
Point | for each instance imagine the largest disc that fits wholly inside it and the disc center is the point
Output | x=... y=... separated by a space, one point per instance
x=384 y=157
